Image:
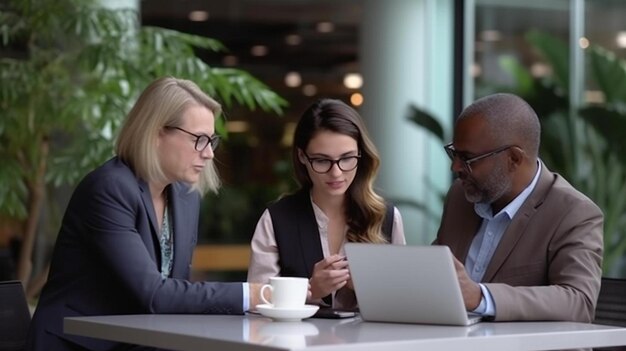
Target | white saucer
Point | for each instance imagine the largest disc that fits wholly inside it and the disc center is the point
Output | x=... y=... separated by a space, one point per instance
x=287 y=314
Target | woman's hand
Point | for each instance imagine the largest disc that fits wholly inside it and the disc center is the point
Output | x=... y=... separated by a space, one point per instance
x=350 y=285
x=329 y=274
x=254 y=295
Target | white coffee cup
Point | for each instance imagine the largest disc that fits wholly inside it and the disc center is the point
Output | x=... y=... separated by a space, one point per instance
x=287 y=292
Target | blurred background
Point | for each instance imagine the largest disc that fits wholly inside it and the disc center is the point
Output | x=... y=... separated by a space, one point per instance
x=408 y=66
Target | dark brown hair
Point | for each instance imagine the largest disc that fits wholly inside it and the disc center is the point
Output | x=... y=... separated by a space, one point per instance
x=364 y=209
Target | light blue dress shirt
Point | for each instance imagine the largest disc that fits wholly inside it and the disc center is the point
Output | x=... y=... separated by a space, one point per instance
x=486 y=240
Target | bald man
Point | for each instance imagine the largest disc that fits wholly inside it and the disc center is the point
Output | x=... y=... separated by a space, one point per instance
x=528 y=245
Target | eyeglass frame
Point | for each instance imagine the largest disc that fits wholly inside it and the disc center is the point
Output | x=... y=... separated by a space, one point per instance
x=214 y=140
x=332 y=162
x=467 y=162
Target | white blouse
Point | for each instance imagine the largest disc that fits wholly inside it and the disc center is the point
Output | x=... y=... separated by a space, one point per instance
x=264 y=259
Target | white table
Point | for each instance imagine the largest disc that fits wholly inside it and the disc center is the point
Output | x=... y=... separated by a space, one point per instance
x=252 y=332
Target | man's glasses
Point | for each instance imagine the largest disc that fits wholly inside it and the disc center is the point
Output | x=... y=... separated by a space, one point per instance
x=202 y=140
x=467 y=161
x=324 y=165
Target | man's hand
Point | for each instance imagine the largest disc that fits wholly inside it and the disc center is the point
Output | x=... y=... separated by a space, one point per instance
x=329 y=274
x=470 y=289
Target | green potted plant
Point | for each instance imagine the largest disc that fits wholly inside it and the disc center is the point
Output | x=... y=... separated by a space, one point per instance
x=69 y=72
x=585 y=146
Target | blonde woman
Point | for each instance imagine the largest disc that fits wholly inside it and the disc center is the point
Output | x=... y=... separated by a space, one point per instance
x=303 y=234
x=128 y=234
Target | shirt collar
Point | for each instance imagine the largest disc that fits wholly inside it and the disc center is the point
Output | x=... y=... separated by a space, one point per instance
x=484 y=209
x=320 y=216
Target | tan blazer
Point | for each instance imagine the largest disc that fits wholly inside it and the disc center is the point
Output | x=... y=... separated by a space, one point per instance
x=548 y=264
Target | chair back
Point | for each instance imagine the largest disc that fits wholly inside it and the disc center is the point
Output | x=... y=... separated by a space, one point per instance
x=611 y=306
x=14 y=316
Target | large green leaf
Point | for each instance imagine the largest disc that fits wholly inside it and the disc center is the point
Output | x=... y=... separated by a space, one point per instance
x=556 y=52
x=555 y=141
x=609 y=123
x=428 y=122
x=84 y=67
x=523 y=80
x=609 y=72
x=587 y=148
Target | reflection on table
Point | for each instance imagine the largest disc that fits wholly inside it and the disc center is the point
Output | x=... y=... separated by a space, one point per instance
x=253 y=332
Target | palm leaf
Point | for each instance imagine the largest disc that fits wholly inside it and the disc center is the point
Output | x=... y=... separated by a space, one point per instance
x=427 y=121
x=609 y=123
x=555 y=52
x=609 y=72
x=524 y=81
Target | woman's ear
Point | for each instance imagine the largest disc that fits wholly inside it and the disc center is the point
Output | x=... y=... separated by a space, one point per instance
x=160 y=135
x=302 y=157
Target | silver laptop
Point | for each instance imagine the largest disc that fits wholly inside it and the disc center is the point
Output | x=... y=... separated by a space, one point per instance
x=407 y=284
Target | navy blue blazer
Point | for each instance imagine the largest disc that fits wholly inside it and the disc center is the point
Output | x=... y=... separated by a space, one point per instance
x=107 y=260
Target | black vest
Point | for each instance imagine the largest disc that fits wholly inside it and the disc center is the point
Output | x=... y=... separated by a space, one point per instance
x=297 y=235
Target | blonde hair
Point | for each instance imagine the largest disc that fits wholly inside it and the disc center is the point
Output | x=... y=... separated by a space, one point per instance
x=365 y=209
x=161 y=104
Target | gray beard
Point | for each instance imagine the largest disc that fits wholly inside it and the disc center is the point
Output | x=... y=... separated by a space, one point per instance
x=496 y=185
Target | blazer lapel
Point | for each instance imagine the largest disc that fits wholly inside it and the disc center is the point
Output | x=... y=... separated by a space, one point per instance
x=517 y=228
x=181 y=228
x=514 y=232
x=463 y=227
x=149 y=207
x=466 y=233
x=311 y=247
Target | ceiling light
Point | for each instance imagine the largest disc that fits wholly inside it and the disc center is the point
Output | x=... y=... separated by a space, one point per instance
x=583 y=42
x=356 y=99
x=325 y=27
x=621 y=39
x=259 y=50
x=491 y=35
x=287 y=138
x=230 y=60
x=594 y=97
x=198 y=16
x=476 y=70
x=293 y=79
x=293 y=39
x=237 y=126
x=540 y=70
x=309 y=90
x=353 y=80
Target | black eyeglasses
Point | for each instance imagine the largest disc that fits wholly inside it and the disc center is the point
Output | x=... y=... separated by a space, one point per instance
x=324 y=165
x=467 y=161
x=202 y=140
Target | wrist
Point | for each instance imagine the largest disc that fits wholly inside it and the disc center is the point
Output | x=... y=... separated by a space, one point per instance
x=478 y=297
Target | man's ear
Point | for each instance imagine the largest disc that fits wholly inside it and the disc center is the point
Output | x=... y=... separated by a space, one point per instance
x=516 y=157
